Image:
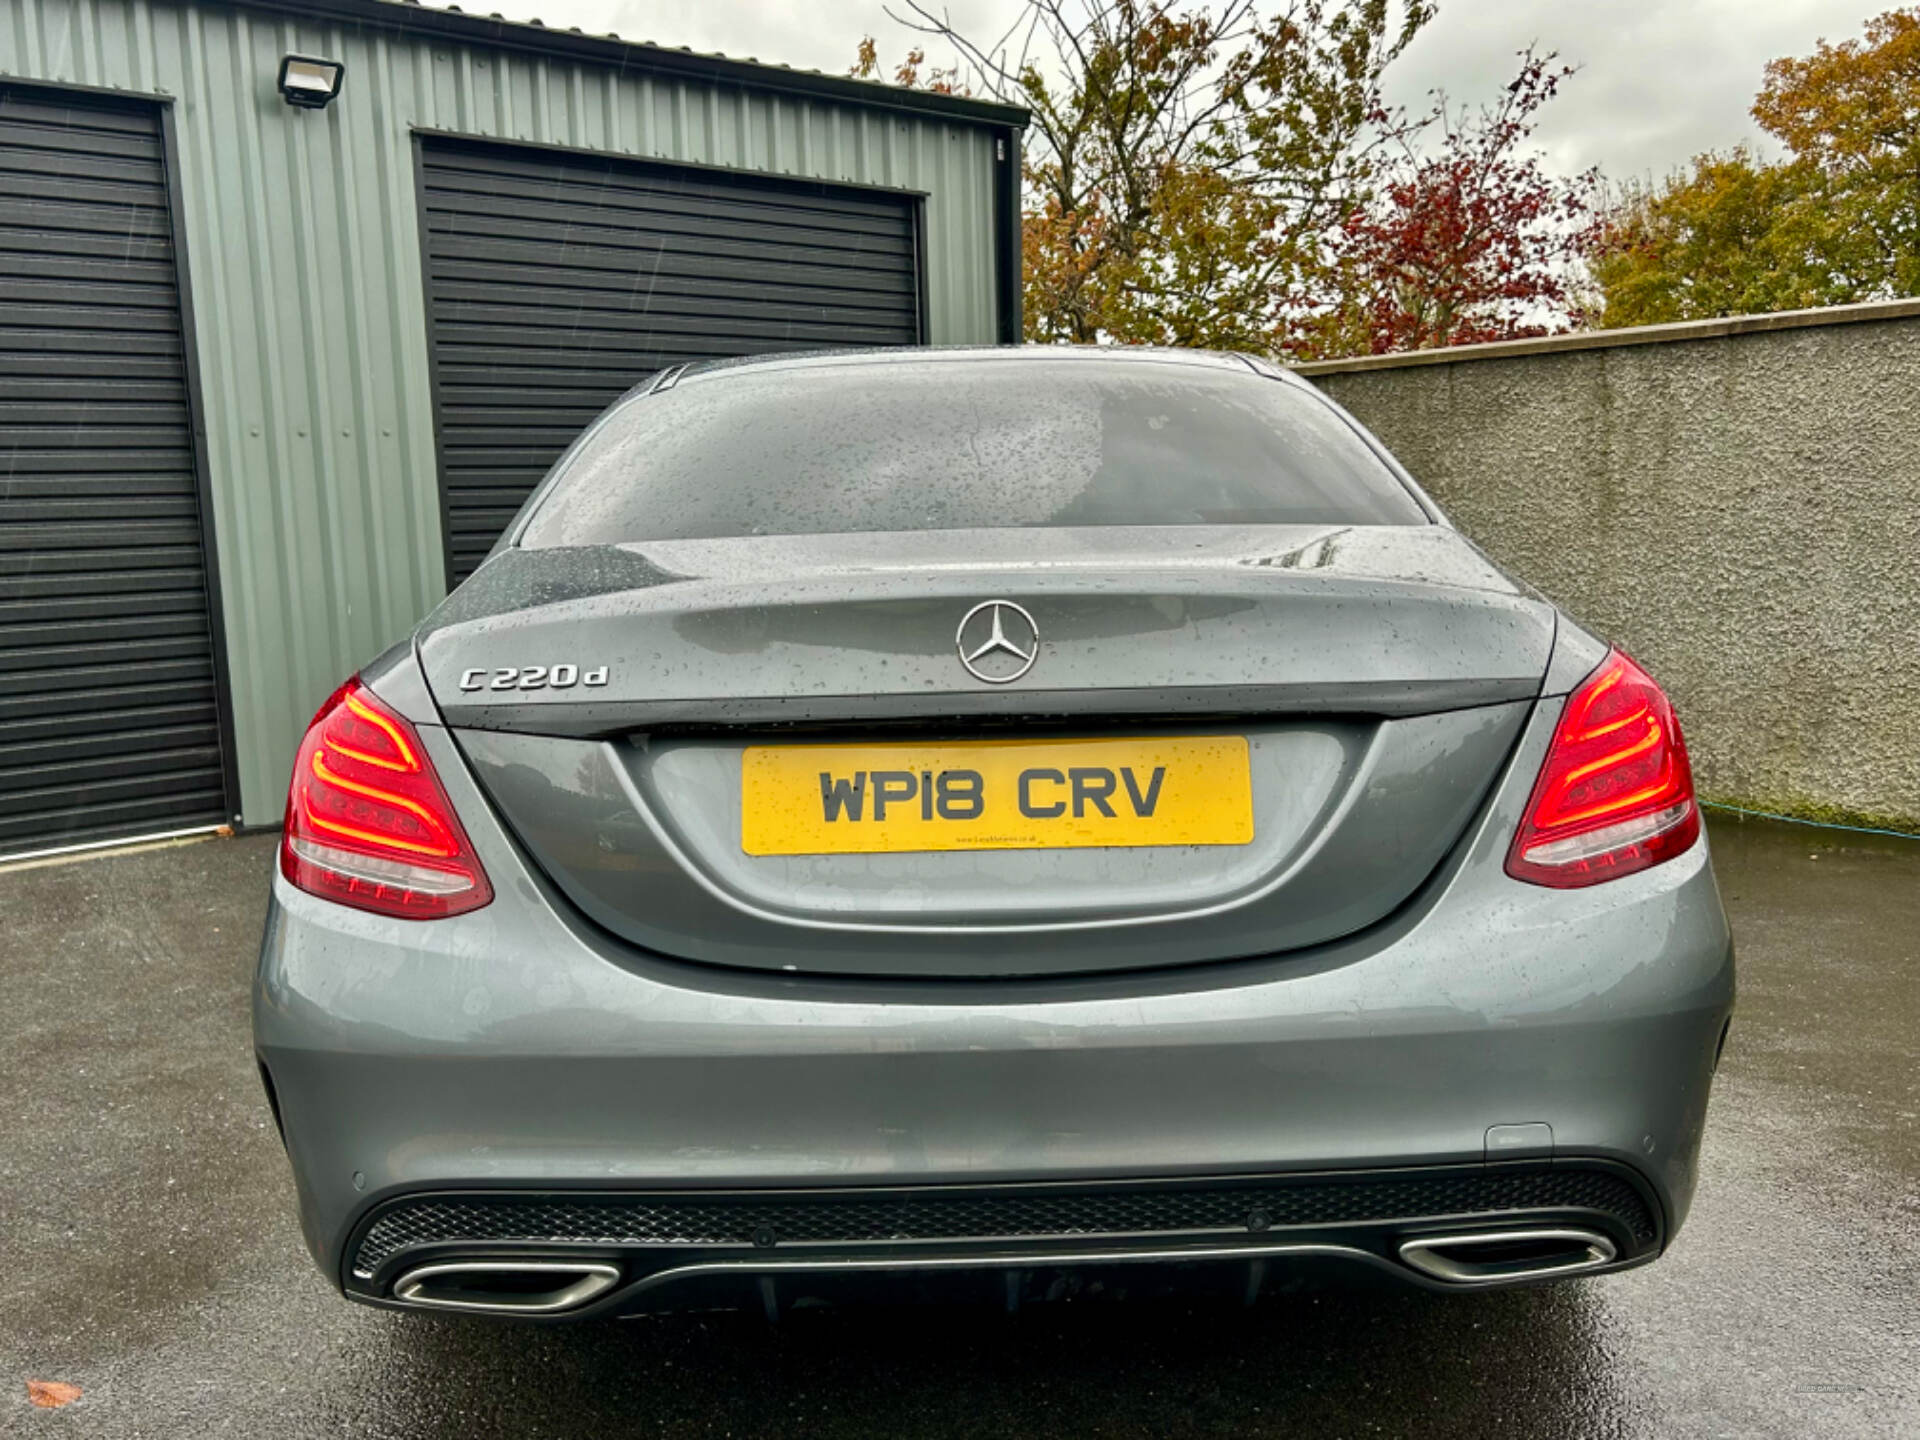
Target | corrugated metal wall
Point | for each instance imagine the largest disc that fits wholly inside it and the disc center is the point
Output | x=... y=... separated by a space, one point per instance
x=304 y=258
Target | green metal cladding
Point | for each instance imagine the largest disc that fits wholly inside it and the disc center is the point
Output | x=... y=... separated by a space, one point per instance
x=303 y=255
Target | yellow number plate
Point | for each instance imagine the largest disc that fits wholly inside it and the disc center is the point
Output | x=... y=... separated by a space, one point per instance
x=995 y=795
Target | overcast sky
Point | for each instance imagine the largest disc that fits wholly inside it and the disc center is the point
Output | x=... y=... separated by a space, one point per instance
x=1660 y=80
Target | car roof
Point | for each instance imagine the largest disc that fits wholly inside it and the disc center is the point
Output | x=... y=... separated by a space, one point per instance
x=1062 y=355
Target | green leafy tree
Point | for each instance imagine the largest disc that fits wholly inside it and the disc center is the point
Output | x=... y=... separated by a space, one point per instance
x=1837 y=220
x=1851 y=112
x=1734 y=237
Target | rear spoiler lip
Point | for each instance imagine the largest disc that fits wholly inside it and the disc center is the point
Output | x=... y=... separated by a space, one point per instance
x=1385 y=699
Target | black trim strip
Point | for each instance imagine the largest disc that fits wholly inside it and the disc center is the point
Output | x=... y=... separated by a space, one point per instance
x=590 y=719
x=442 y=485
x=1009 y=242
x=203 y=476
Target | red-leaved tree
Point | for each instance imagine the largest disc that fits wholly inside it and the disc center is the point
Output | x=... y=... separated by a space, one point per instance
x=1465 y=240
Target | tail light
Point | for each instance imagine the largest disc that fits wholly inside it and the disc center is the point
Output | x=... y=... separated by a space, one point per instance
x=368 y=822
x=1615 y=793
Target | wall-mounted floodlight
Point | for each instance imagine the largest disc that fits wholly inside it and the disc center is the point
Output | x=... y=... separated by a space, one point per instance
x=310 y=82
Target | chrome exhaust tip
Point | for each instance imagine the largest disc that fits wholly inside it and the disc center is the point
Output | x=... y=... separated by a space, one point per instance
x=499 y=1287
x=1486 y=1256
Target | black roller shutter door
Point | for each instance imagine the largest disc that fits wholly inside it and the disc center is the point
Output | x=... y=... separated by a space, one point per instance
x=109 y=718
x=557 y=282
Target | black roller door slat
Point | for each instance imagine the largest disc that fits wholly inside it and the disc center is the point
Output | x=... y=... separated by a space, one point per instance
x=66 y=264
x=803 y=272
x=101 y=389
x=609 y=220
x=805 y=290
x=542 y=367
x=78 y=487
x=556 y=283
x=504 y=161
x=596 y=226
x=31 y=639
x=27 y=348
x=133 y=755
x=38 y=219
x=672 y=295
x=572 y=179
x=70 y=610
x=104 y=720
x=63 y=758
x=109 y=720
x=670 y=337
x=84 y=144
x=109 y=201
x=600 y=241
x=678 y=332
x=22 y=250
x=41 y=662
x=70 y=114
x=484 y=450
x=622 y=360
x=724 y=313
x=139 y=770
x=39 y=646
x=116 y=514
x=554 y=394
x=48 y=461
x=179 y=684
x=105 y=433
x=104 y=591
x=687 y=237
x=101 y=285
x=21 y=571
x=134 y=174
x=78 y=370
x=591 y=182
x=79 y=315
x=577 y=385
x=488 y=449
x=471 y=531
x=158 y=790
x=187 y=802
x=522 y=414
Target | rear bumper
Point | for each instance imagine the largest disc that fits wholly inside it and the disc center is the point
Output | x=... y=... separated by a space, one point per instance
x=610 y=1251
x=516 y=1049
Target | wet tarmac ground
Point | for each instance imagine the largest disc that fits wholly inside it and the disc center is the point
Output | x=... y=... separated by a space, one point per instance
x=148 y=1252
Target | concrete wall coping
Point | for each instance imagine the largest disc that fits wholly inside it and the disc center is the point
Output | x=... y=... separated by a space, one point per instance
x=1630 y=335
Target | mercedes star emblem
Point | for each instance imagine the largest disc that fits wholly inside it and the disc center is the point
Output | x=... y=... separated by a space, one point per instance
x=998 y=641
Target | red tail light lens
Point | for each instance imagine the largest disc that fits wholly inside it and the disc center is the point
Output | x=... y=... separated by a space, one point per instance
x=1615 y=793
x=368 y=823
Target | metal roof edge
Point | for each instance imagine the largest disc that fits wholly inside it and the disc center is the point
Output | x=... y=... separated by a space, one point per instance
x=461 y=27
x=1677 y=331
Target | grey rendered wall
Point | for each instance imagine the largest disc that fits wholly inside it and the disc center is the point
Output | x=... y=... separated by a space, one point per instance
x=1741 y=512
x=303 y=254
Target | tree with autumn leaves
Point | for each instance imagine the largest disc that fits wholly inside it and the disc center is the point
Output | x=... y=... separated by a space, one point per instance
x=1230 y=175
x=1837 y=219
x=1467 y=240
x=1184 y=166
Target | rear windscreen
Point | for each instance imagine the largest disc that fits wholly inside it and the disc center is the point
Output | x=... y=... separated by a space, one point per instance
x=961 y=445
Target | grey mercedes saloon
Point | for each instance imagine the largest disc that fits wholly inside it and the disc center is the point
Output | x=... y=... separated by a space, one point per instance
x=1032 y=819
